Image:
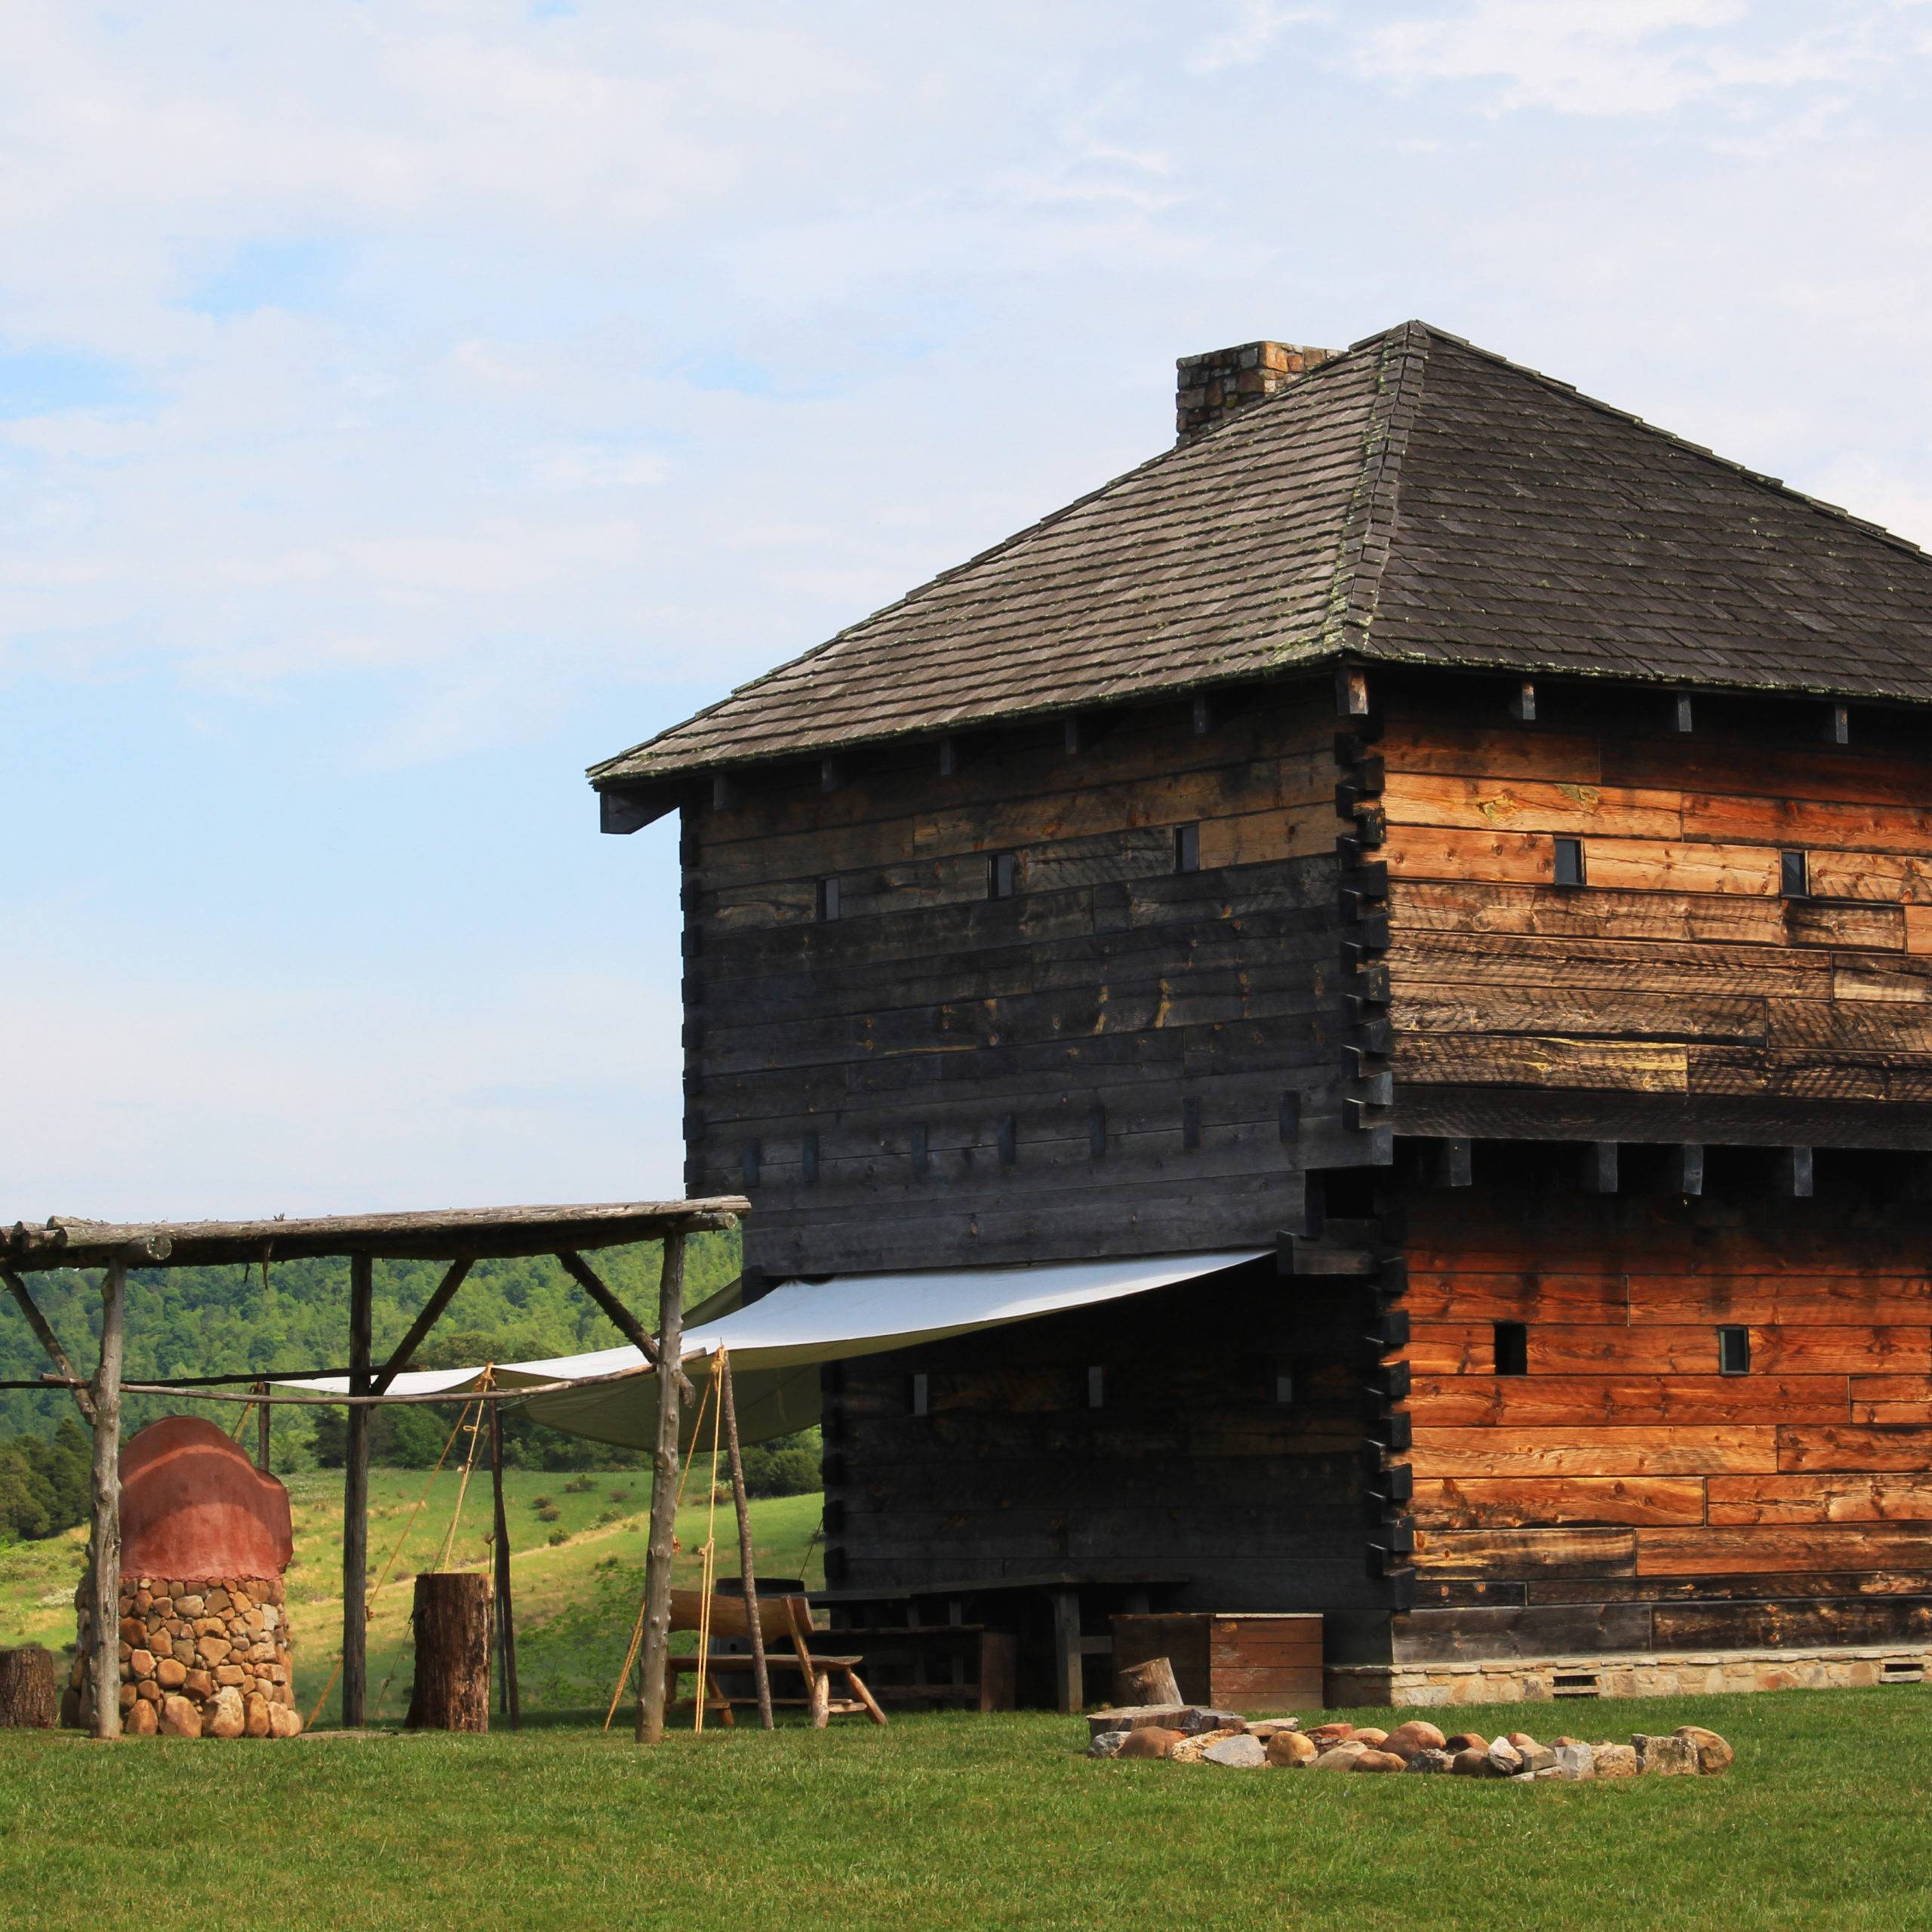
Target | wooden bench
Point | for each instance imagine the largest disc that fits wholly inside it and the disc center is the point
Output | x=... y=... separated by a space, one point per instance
x=781 y=1621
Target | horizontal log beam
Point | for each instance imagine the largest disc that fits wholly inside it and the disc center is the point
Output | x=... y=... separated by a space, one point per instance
x=471 y=1234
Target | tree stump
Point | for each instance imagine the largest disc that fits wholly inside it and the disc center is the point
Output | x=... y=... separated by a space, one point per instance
x=452 y=1619
x=1150 y=1683
x=28 y=1699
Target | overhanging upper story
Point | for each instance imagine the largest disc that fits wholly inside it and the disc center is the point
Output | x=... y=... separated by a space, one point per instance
x=1425 y=750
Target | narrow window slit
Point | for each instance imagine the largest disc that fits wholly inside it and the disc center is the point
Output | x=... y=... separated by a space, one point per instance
x=1512 y=1349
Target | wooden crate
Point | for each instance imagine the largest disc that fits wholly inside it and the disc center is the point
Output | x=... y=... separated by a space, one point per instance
x=1236 y=1661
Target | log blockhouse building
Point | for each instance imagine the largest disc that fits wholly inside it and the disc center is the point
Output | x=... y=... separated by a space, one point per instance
x=1459 y=844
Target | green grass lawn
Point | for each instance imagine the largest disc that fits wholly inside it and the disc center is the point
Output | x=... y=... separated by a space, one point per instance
x=957 y=1820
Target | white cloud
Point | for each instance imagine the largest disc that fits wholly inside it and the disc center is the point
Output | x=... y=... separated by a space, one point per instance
x=1257 y=27
x=1609 y=57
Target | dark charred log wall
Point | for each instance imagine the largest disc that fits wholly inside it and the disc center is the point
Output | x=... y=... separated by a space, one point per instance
x=1130 y=1054
x=1227 y=1452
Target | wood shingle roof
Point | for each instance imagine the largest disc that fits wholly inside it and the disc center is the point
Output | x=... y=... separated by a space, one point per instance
x=1415 y=500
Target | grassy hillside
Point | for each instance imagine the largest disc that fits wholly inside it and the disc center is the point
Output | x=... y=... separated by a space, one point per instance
x=575 y=1598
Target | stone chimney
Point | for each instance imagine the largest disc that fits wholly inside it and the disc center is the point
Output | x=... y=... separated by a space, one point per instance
x=1210 y=388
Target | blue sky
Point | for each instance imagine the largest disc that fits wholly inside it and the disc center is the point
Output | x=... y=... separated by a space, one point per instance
x=403 y=404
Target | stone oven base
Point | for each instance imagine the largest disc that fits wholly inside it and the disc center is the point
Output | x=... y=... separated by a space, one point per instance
x=200 y=1657
x=1681 y=1673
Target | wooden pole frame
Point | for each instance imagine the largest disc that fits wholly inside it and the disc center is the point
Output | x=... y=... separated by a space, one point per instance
x=747 y=1580
x=104 y=1540
x=505 y=1620
x=663 y=1493
x=355 y=1500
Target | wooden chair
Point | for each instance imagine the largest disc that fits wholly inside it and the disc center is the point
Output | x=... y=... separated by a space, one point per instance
x=781 y=1621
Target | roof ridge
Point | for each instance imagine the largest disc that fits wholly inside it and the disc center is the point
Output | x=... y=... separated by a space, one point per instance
x=1368 y=528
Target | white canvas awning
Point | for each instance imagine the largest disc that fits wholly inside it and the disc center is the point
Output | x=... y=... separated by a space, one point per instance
x=777 y=1343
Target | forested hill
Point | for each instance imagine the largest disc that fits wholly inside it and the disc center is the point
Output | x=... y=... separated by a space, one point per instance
x=226 y=1320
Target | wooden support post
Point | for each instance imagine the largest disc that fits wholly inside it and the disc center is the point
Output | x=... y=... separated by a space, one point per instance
x=1069 y=1670
x=506 y=1621
x=261 y=1439
x=48 y=1340
x=663 y=1493
x=1795 y=1170
x=355 y=1499
x=1599 y=1174
x=104 y=1544
x=747 y=1580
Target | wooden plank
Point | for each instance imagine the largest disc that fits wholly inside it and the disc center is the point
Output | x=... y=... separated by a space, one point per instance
x=1737 y=1549
x=1555 y=1401
x=1713 y=767
x=1810 y=1075
x=1849 y=1497
x=1645 y=865
x=1524 y=1293
x=1881 y=1398
x=1888 y=1028
x=1451 y=1348
x=1819 y=922
x=1892 y=982
x=1757 y=1301
x=1581 y=1552
x=1484 y=804
x=1785 y=1624
x=1892 y=877
x=1429 y=745
x=1449 y=905
x=1485 y=1632
x=1513 y=1060
x=1653 y=1451
x=1436 y=852
x=1893 y=1446
x=1503 y=1502
x=1429 y=1006
x=1742 y=1587
x=1435 y=963
x=1655 y=1348
x=1834 y=825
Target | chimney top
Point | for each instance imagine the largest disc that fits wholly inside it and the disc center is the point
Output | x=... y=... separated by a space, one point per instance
x=1210 y=388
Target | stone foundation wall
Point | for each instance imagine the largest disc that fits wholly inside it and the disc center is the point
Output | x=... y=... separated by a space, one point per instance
x=199 y=1658
x=1699 y=1673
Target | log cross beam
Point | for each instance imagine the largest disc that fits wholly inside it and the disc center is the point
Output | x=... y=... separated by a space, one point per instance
x=50 y=1342
x=627 y=1324
x=433 y=1310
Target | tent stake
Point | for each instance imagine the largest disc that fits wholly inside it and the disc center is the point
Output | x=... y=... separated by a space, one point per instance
x=104 y=1547
x=663 y=1492
x=747 y=1581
